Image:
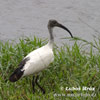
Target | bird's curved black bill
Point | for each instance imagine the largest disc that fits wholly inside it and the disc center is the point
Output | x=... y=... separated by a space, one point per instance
x=65 y=28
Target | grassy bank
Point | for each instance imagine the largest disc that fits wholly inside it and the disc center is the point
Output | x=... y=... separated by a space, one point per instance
x=72 y=67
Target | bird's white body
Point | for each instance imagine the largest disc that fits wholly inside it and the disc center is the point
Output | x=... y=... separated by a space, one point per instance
x=39 y=59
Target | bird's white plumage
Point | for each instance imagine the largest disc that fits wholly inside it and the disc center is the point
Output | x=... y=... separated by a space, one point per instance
x=39 y=59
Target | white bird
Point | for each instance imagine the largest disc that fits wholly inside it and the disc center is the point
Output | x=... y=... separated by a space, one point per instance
x=38 y=59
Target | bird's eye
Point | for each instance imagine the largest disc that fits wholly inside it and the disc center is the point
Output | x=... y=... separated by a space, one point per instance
x=54 y=22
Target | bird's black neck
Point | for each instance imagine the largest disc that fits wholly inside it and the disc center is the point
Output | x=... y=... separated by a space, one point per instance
x=51 y=40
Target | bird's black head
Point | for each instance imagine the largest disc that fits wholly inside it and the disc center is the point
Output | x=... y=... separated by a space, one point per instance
x=54 y=23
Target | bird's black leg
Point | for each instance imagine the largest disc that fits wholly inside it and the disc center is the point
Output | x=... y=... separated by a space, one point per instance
x=38 y=84
x=33 y=84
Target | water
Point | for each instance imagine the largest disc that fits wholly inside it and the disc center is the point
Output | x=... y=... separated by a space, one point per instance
x=20 y=18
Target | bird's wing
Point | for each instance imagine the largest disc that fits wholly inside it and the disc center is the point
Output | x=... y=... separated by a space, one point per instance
x=16 y=75
x=23 y=62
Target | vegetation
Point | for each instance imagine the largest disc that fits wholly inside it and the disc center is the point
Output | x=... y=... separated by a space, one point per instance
x=72 y=67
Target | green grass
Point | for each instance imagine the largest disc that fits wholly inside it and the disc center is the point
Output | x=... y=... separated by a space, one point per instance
x=72 y=67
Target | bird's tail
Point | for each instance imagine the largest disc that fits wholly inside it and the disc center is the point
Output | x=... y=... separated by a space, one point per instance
x=16 y=75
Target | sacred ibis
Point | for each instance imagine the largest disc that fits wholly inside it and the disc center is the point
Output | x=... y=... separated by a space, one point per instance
x=38 y=59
